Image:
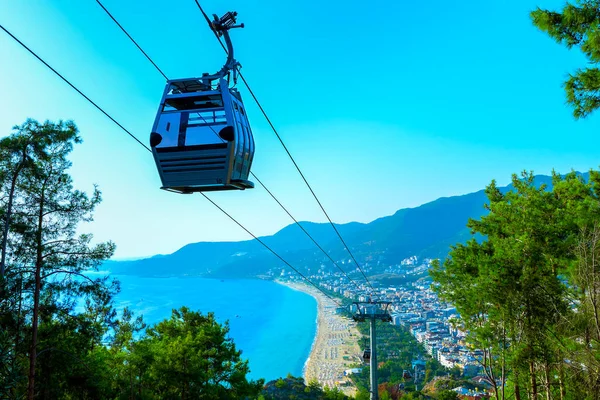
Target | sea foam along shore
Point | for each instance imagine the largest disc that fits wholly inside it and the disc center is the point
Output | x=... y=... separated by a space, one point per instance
x=335 y=347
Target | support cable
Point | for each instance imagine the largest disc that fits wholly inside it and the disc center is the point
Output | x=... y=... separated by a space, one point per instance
x=268 y=248
x=147 y=148
x=290 y=156
x=73 y=86
x=133 y=40
x=252 y=173
x=306 y=232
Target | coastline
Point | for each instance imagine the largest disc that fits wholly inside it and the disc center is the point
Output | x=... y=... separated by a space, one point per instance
x=335 y=347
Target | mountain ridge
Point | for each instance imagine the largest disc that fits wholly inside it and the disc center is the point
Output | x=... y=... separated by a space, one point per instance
x=426 y=231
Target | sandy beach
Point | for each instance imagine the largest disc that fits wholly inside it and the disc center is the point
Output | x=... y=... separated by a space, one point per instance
x=335 y=348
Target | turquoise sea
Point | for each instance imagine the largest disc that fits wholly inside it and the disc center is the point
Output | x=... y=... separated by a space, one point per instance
x=273 y=325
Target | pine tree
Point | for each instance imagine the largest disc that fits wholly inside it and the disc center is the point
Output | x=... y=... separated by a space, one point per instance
x=47 y=254
x=576 y=25
x=189 y=356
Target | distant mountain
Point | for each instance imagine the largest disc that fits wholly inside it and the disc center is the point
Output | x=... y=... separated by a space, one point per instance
x=240 y=259
x=427 y=231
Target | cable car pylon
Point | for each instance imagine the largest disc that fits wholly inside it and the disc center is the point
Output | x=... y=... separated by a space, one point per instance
x=372 y=311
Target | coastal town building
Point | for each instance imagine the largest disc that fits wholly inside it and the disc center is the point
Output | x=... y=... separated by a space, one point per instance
x=415 y=306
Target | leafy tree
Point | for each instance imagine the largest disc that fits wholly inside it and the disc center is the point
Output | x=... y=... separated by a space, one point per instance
x=313 y=385
x=43 y=260
x=455 y=372
x=385 y=396
x=59 y=335
x=507 y=288
x=14 y=157
x=280 y=383
x=576 y=25
x=189 y=356
x=294 y=388
x=126 y=359
x=334 y=394
x=413 y=396
x=447 y=395
x=585 y=324
x=524 y=293
x=363 y=394
x=50 y=253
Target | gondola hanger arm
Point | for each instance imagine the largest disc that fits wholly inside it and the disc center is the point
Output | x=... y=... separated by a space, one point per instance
x=221 y=27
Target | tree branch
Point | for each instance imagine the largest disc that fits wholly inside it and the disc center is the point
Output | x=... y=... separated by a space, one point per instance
x=59 y=271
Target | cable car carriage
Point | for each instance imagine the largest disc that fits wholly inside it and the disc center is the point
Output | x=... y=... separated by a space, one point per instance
x=201 y=139
x=366 y=356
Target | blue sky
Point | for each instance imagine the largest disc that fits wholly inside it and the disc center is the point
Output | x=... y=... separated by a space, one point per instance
x=384 y=104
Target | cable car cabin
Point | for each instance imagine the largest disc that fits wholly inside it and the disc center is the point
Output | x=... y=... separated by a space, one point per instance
x=201 y=138
x=366 y=356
